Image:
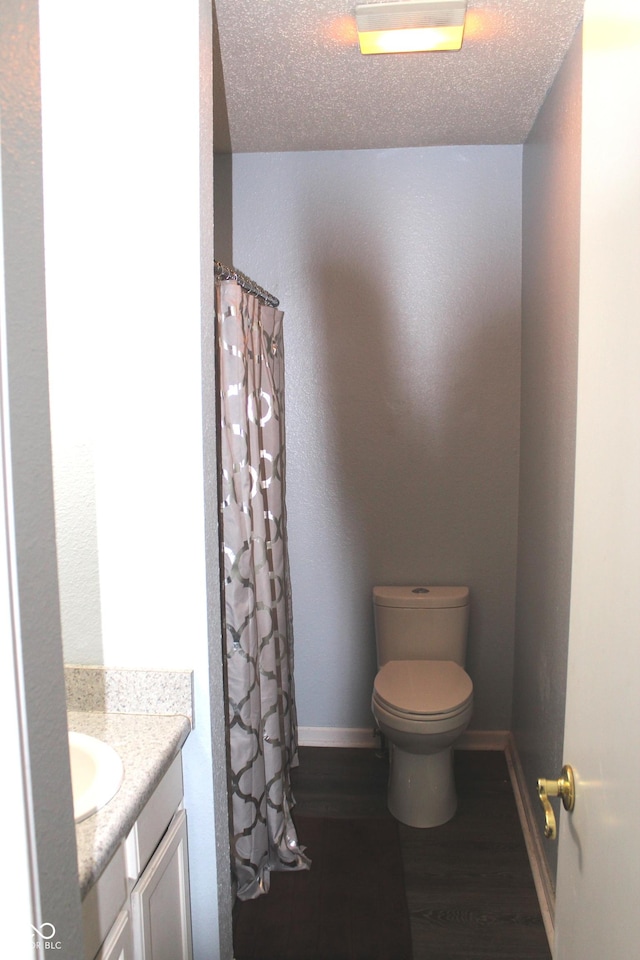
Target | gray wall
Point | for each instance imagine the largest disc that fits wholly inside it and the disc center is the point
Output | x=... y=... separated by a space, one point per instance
x=400 y=273
x=551 y=216
x=25 y=436
x=139 y=386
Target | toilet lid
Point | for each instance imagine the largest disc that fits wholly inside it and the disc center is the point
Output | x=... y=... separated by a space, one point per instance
x=425 y=687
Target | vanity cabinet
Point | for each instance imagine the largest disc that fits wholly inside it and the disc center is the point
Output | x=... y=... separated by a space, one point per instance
x=160 y=900
x=119 y=942
x=139 y=909
x=102 y=911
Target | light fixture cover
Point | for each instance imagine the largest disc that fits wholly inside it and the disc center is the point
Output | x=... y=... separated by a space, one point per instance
x=402 y=26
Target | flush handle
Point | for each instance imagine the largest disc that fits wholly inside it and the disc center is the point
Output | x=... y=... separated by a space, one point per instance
x=564 y=788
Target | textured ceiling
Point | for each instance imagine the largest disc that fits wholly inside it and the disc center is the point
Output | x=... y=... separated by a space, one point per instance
x=295 y=80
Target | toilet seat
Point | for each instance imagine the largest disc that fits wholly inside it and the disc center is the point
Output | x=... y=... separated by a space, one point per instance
x=423 y=689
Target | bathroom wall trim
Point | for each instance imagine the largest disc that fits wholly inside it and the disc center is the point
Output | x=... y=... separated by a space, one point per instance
x=529 y=820
x=369 y=737
x=483 y=740
x=338 y=737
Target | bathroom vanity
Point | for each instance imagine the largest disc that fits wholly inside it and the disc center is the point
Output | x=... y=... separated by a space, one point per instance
x=132 y=852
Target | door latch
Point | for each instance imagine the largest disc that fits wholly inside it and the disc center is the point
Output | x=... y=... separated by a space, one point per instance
x=564 y=788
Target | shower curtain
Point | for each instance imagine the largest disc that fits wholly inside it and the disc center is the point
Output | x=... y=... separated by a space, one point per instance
x=261 y=711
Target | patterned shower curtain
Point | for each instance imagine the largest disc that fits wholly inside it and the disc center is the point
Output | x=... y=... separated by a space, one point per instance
x=257 y=608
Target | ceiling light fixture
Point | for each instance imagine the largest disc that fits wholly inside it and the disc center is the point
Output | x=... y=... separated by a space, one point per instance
x=405 y=26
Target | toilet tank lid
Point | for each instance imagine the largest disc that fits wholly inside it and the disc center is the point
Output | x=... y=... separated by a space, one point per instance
x=420 y=596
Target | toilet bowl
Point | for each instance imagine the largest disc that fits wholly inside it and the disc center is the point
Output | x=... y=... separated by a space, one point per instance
x=421 y=705
x=422 y=708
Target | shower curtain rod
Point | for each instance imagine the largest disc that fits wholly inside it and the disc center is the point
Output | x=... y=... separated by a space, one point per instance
x=230 y=273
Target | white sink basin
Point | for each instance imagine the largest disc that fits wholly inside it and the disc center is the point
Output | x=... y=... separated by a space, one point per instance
x=96 y=774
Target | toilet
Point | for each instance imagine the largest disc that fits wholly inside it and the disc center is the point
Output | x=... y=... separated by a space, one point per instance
x=422 y=697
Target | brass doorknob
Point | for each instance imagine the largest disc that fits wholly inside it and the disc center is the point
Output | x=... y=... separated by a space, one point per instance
x=565 y=788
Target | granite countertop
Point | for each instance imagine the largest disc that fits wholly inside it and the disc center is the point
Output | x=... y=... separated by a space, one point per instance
x=147 y=744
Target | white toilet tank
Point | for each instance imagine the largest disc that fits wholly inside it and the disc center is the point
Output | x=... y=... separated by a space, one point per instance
x=421 y=623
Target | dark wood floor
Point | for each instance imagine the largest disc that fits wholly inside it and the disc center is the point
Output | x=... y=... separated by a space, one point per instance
x=469 y=886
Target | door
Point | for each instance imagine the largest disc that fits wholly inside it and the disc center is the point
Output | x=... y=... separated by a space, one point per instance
x=598 y=894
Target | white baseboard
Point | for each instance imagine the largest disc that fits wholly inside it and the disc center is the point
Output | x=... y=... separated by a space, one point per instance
x=367 y=737
x=483 y=740
x=338 y=737
x=529 y=820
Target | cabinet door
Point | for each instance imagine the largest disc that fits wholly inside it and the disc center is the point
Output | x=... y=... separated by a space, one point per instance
x=160 y=902
x=119 y=943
